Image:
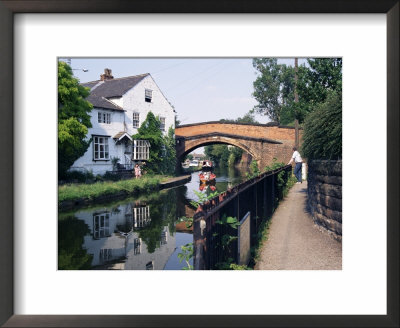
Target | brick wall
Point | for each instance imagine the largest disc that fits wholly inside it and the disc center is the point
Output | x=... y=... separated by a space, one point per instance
x=248 y=130
x=325 y=195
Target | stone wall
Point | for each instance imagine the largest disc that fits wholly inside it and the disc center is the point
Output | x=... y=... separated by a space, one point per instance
x=325 y=195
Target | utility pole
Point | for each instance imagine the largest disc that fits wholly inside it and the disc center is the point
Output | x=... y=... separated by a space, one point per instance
x=296 y=100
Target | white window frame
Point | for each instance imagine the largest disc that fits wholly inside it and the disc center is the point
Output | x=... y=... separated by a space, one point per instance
x=162 y=123
x=101 y=225
x=104 y=118
x=135 y=119
x=148 y=94
x=140 y=150
x=101 y=142
x=141 y=216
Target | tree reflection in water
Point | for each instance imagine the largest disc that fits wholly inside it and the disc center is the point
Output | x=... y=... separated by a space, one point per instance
x=146 y=221
x=71 y=254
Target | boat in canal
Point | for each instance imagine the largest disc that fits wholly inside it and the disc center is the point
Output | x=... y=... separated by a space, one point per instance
x=206 y=165
x=206 y=175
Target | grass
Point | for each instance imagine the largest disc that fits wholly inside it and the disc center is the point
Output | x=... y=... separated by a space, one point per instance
x=145 y=184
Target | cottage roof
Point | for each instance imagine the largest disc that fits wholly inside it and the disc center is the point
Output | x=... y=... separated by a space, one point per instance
x=102 y=91
x=121 y=135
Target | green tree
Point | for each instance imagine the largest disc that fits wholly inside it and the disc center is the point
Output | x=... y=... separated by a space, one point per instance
x=73 y=118
x=274 y=87
x=274 y=90
x=169 y=156
x=322 y=76
x=247 y=118
x=162 y=157
x=71 y=254
x=150 y=130
x=218 y=153
x=322 y=138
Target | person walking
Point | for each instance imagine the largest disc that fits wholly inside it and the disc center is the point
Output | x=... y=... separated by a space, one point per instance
x=137 y=173
x=299 y=162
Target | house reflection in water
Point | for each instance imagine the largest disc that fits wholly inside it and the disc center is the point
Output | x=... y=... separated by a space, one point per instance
x=115 y=240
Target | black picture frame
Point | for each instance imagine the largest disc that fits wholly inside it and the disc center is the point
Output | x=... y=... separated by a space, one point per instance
x=10 y=7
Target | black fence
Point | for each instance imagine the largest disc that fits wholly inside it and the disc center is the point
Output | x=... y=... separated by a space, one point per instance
x=215 y=243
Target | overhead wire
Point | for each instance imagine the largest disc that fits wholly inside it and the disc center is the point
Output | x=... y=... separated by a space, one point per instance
x=193 y=76
x=169 y=67
x=203 y=80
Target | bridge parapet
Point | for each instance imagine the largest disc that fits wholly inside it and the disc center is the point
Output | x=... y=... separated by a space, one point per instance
x=268 y=131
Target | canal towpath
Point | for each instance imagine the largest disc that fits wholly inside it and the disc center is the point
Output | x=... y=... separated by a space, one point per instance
x=294 y=242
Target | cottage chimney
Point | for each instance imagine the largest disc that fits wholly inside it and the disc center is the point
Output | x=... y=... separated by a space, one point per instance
x=107 y=75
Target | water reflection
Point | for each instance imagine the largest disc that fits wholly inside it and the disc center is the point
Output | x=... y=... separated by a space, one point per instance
x=133 y=234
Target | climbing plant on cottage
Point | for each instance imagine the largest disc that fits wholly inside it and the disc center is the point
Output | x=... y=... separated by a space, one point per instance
x=73 y=118
x=162 y=148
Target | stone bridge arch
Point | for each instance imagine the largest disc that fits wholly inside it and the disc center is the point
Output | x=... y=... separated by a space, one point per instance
x=262 y=141
x=187 y=145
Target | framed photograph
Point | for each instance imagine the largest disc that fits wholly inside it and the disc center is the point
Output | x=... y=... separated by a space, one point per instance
x=35 y=35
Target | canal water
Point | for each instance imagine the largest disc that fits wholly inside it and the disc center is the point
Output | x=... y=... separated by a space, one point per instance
x=142 y=233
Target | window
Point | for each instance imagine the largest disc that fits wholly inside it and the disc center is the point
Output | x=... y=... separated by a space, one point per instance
x=164 y=238
x=135 y=120
x=148 y=94
x=104 y=117
x=141 y=216
x=162 y=125
x=141 y=150
x=105 y=254
x=101 y=225
x=137 y=246
x=100 y=148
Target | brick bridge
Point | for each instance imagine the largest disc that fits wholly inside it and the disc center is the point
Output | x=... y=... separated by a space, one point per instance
x=262 y=141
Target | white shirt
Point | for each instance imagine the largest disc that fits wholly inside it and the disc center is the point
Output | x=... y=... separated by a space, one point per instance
x=296 y=156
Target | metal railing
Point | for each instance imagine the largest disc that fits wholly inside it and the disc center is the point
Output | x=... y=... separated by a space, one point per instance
x=259 y=196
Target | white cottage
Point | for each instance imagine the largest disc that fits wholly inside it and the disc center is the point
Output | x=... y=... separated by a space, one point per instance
x=120 y=106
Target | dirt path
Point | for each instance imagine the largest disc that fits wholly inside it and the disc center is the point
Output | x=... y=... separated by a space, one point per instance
x=295 y=242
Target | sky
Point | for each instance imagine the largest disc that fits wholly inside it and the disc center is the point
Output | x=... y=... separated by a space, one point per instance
x=200 y=89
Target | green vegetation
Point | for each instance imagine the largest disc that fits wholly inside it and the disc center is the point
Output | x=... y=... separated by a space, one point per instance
x=71 y=255
x=202 y=198
x=322 y=137
x=191 y=169
x=145 y=184
x=274 y=87
x=253 y=170
x=222 y=155
x=188 y=157
x=168 y=163
x=247 y=118
x=79 y=177
x=162 y=157
x=163 y=209
x=187 y=254
x=323 y=76
x=73 y=119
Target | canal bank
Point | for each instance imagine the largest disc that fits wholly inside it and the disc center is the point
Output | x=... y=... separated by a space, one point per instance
x=73 y=196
